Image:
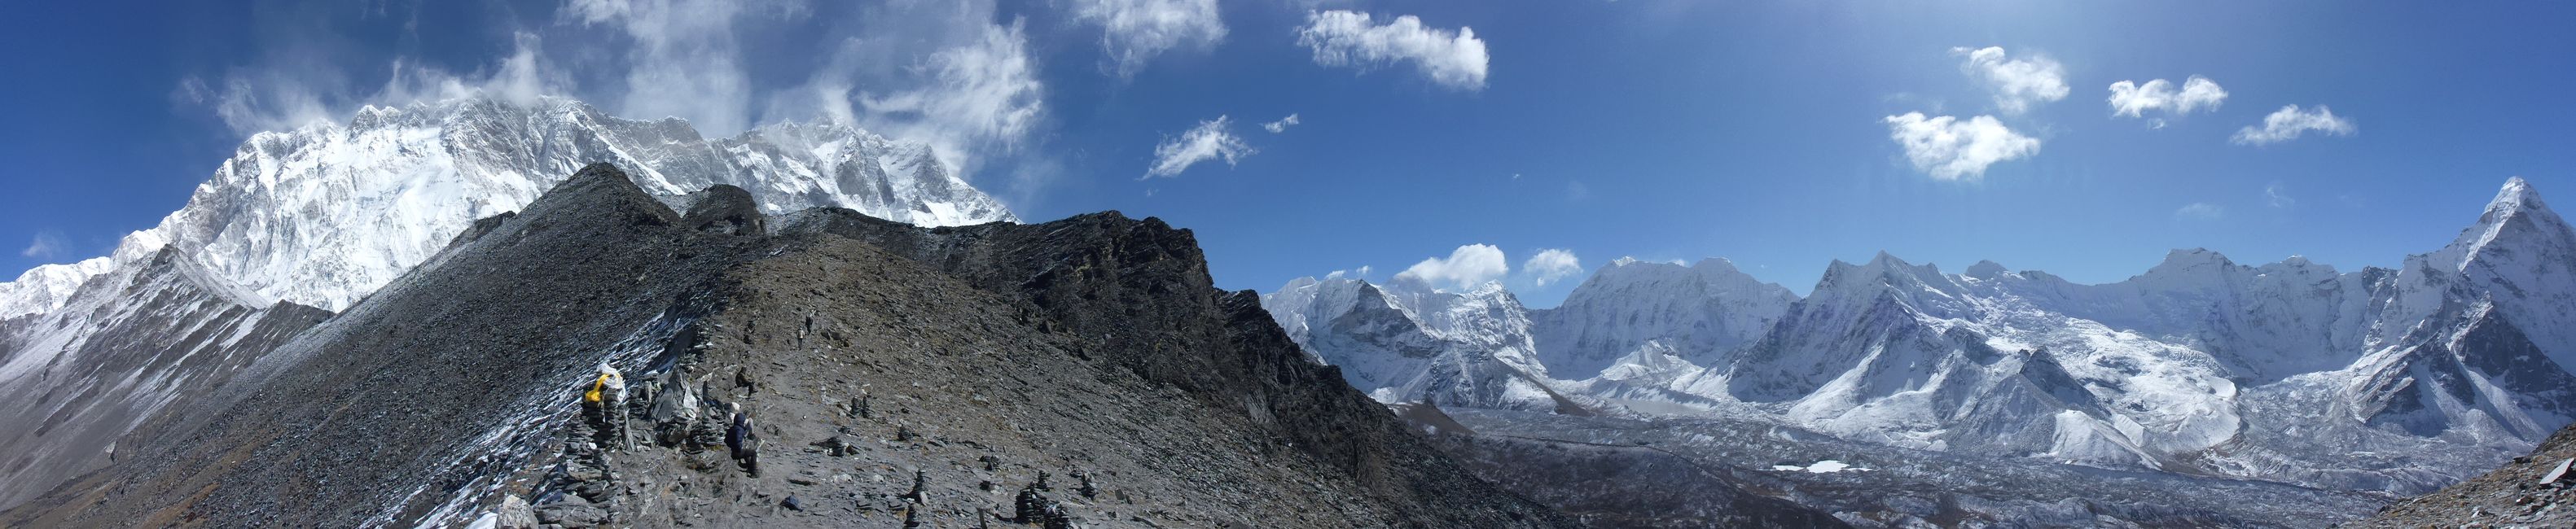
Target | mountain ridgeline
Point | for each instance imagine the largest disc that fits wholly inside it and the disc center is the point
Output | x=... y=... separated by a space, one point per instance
x=2394 y=381
x=298 y=224
x=992 y=354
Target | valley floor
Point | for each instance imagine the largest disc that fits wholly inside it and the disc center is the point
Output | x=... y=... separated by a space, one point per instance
x=1901 y=487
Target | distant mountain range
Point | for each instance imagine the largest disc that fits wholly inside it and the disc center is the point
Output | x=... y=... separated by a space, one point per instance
x=2396 y=380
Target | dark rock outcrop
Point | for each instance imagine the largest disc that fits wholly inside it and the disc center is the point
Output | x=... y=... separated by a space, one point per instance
x=1139 y=292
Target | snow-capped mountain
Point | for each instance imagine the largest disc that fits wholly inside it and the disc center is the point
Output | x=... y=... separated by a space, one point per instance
x=324 y=214
x=301 y=224
x=1408 y=342
x=46 y=287
x=2523 y=256
x=1631 y=305
x=2393 y=380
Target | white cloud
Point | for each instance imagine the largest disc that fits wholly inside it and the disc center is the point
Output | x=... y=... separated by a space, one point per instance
x=941 y=73
x=953 y=75
x=1208 y=141
x=2200 y=211
x=1134 y=31
x=1949 y=149
x=2277 y=196
x=291 y=92
x=982 y=92
x=2289 y=122
x=1468 y=266
x=2133 y=100
x=250 y=102
x=2017 y=84
x=46 y=245
x=1551 y=265
x=684 y=60
x=521 y=78
x=1455 y=59
x=1282 y=125
x=1356 y=273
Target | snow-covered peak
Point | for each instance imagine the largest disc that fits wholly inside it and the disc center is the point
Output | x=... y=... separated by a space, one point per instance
x=1409 y=341
x=324 y=214
x=1884 y=274
x=2516 y=217
x=2523 y=256
x=2191 y=261
x=1490 y=289
x=1306 y=303
x=2516 y=194
x=1987 y=270
x=1629 y=270
x=2197 y=270
x=45 y=288
x=2298 y=266
x=1301 y=283
x=1696 y=313
x=1715 y=265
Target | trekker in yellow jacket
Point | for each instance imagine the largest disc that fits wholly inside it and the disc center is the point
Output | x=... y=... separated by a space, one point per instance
x=605 y=405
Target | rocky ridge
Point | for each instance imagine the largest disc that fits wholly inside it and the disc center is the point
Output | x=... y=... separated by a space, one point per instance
x=1093 y=349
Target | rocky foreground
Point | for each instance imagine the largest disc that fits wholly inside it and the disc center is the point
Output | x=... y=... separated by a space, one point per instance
x=2538 y=490
x=900 y=377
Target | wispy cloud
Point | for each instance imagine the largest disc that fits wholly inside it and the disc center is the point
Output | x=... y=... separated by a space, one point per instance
x=1358 y=273
x=2200 y=211
x=1282 y=125
x=289 y=91
x=954 y=75
x=46 y=245
x=984 y=92
x=1209 y=140
x=2289 y=122
x=1134 y=31
x=1454 y=59
x=2017 y=84
x=1949 y=149
x=1550 y=265
x=2132 y=99
x=1468 y=266
x=945 y=74
x=683 y=59
x=2277 y=196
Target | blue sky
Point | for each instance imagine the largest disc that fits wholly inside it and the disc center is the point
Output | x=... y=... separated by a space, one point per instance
x=1757 y=131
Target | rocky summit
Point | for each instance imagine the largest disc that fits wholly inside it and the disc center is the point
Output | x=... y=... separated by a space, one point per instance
x=1082 y=372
